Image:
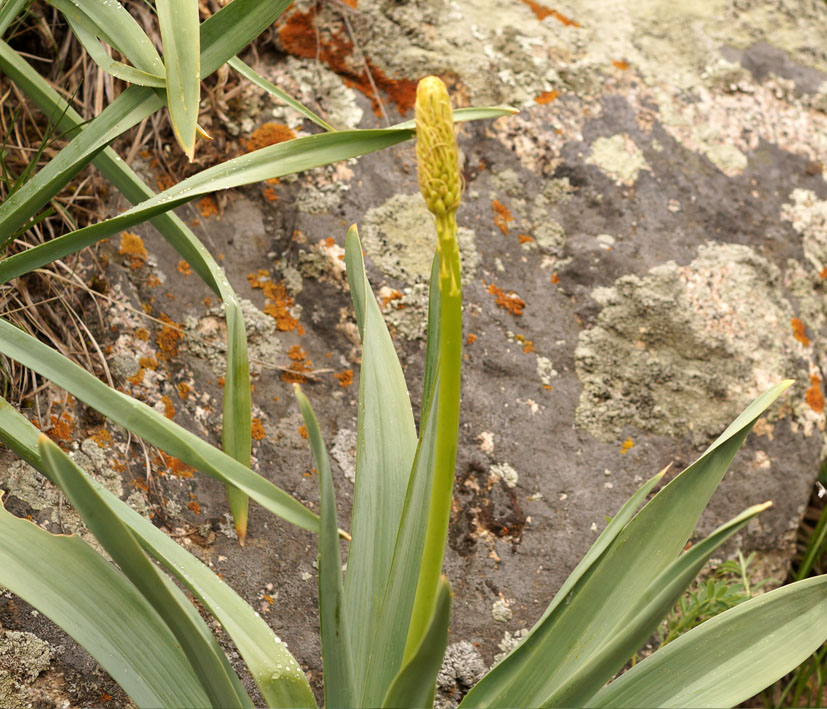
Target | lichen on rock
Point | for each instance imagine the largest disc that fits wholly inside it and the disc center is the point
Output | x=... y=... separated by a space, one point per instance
x=682 y=350
x=400 y=238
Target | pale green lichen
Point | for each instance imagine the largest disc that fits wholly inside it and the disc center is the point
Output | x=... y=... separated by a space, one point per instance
x=398 y=237
x=618 y=157
x=505 y=473
x=23 y=657
x=682 y=350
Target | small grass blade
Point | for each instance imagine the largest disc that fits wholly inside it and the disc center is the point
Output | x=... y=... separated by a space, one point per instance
x=600 y=598
x=180 y=36
x=252 y=75
x=415 y=685
x=152 y=426
x=385 y=447
x=730 y=657
x=280 y=679
x=115 y=623
x=207 y=659
x=9 y=10
x=338 y=671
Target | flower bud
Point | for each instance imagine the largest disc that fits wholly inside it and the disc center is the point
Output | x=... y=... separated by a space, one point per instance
x=436 y=148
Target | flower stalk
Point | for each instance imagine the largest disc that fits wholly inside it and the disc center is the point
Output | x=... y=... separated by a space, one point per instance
x=441 y=186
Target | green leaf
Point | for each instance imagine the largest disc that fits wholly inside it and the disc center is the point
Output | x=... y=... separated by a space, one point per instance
x=386 y=443
x=236 y=437
x=252 y=75
x=643 y=619
x=223 y=35
x=731 y=657
x=272 y=161
x=280 y=679
x=101 y=609
x=88 y=39
x=182 y=58
x=415 y=684
x=336 y=658
x=151 y=425
x=114 y=25
x=9 y=10
x=207 y=659
x=578 y=628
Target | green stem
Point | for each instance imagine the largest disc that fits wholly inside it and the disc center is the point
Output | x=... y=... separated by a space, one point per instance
x=447 y=412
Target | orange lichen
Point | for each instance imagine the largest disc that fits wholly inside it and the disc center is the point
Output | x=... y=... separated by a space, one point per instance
x=168 y=338
x=528 y=346
x=389 y=296
x=547 y=387
x=301 y=37
x=221 y=381
x=62 y=427
x=102 y=437
x=147 y=363
x=541 y=12
x=279 y=308
x=257 y=430
x=799 y=332
x=555 y=278
x=175 y=466
x=525 y=238
x=269 y=194
x=152 y=282
x=169 y=409
x=294 y=375
x=502 y=216
x=620 y=64
x=345 y=378
x=509 y=301
x=184 y=390
x=269 y=134
x=823 y=272
x=208 y=207
x=184 y=267
x=815 y=397
x=471 y=339
x=296 y=353
x=547 y=97
x=194 y=506
x=303 y=431
x=142 y=334
x=627 y=445
x=137 y=379
x=133 y=246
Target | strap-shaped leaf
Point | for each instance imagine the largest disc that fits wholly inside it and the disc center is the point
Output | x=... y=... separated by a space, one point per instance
x=223 y=35
x=731 y=657
x=576 y=629
x=264 y=164
x=151 y=425
x=9 y=10
x=386 y=443
x=641 y=621
x=101 y=609
x=182 y=58
x=87 y=38
x=236 y=431
x=207 y=659
x=279 y=678
x=415 y=685
x=390 y=639
x=336 y=658
x=114 y=25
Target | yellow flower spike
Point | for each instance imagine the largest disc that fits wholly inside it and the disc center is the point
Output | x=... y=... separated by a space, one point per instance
x=438 y=171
